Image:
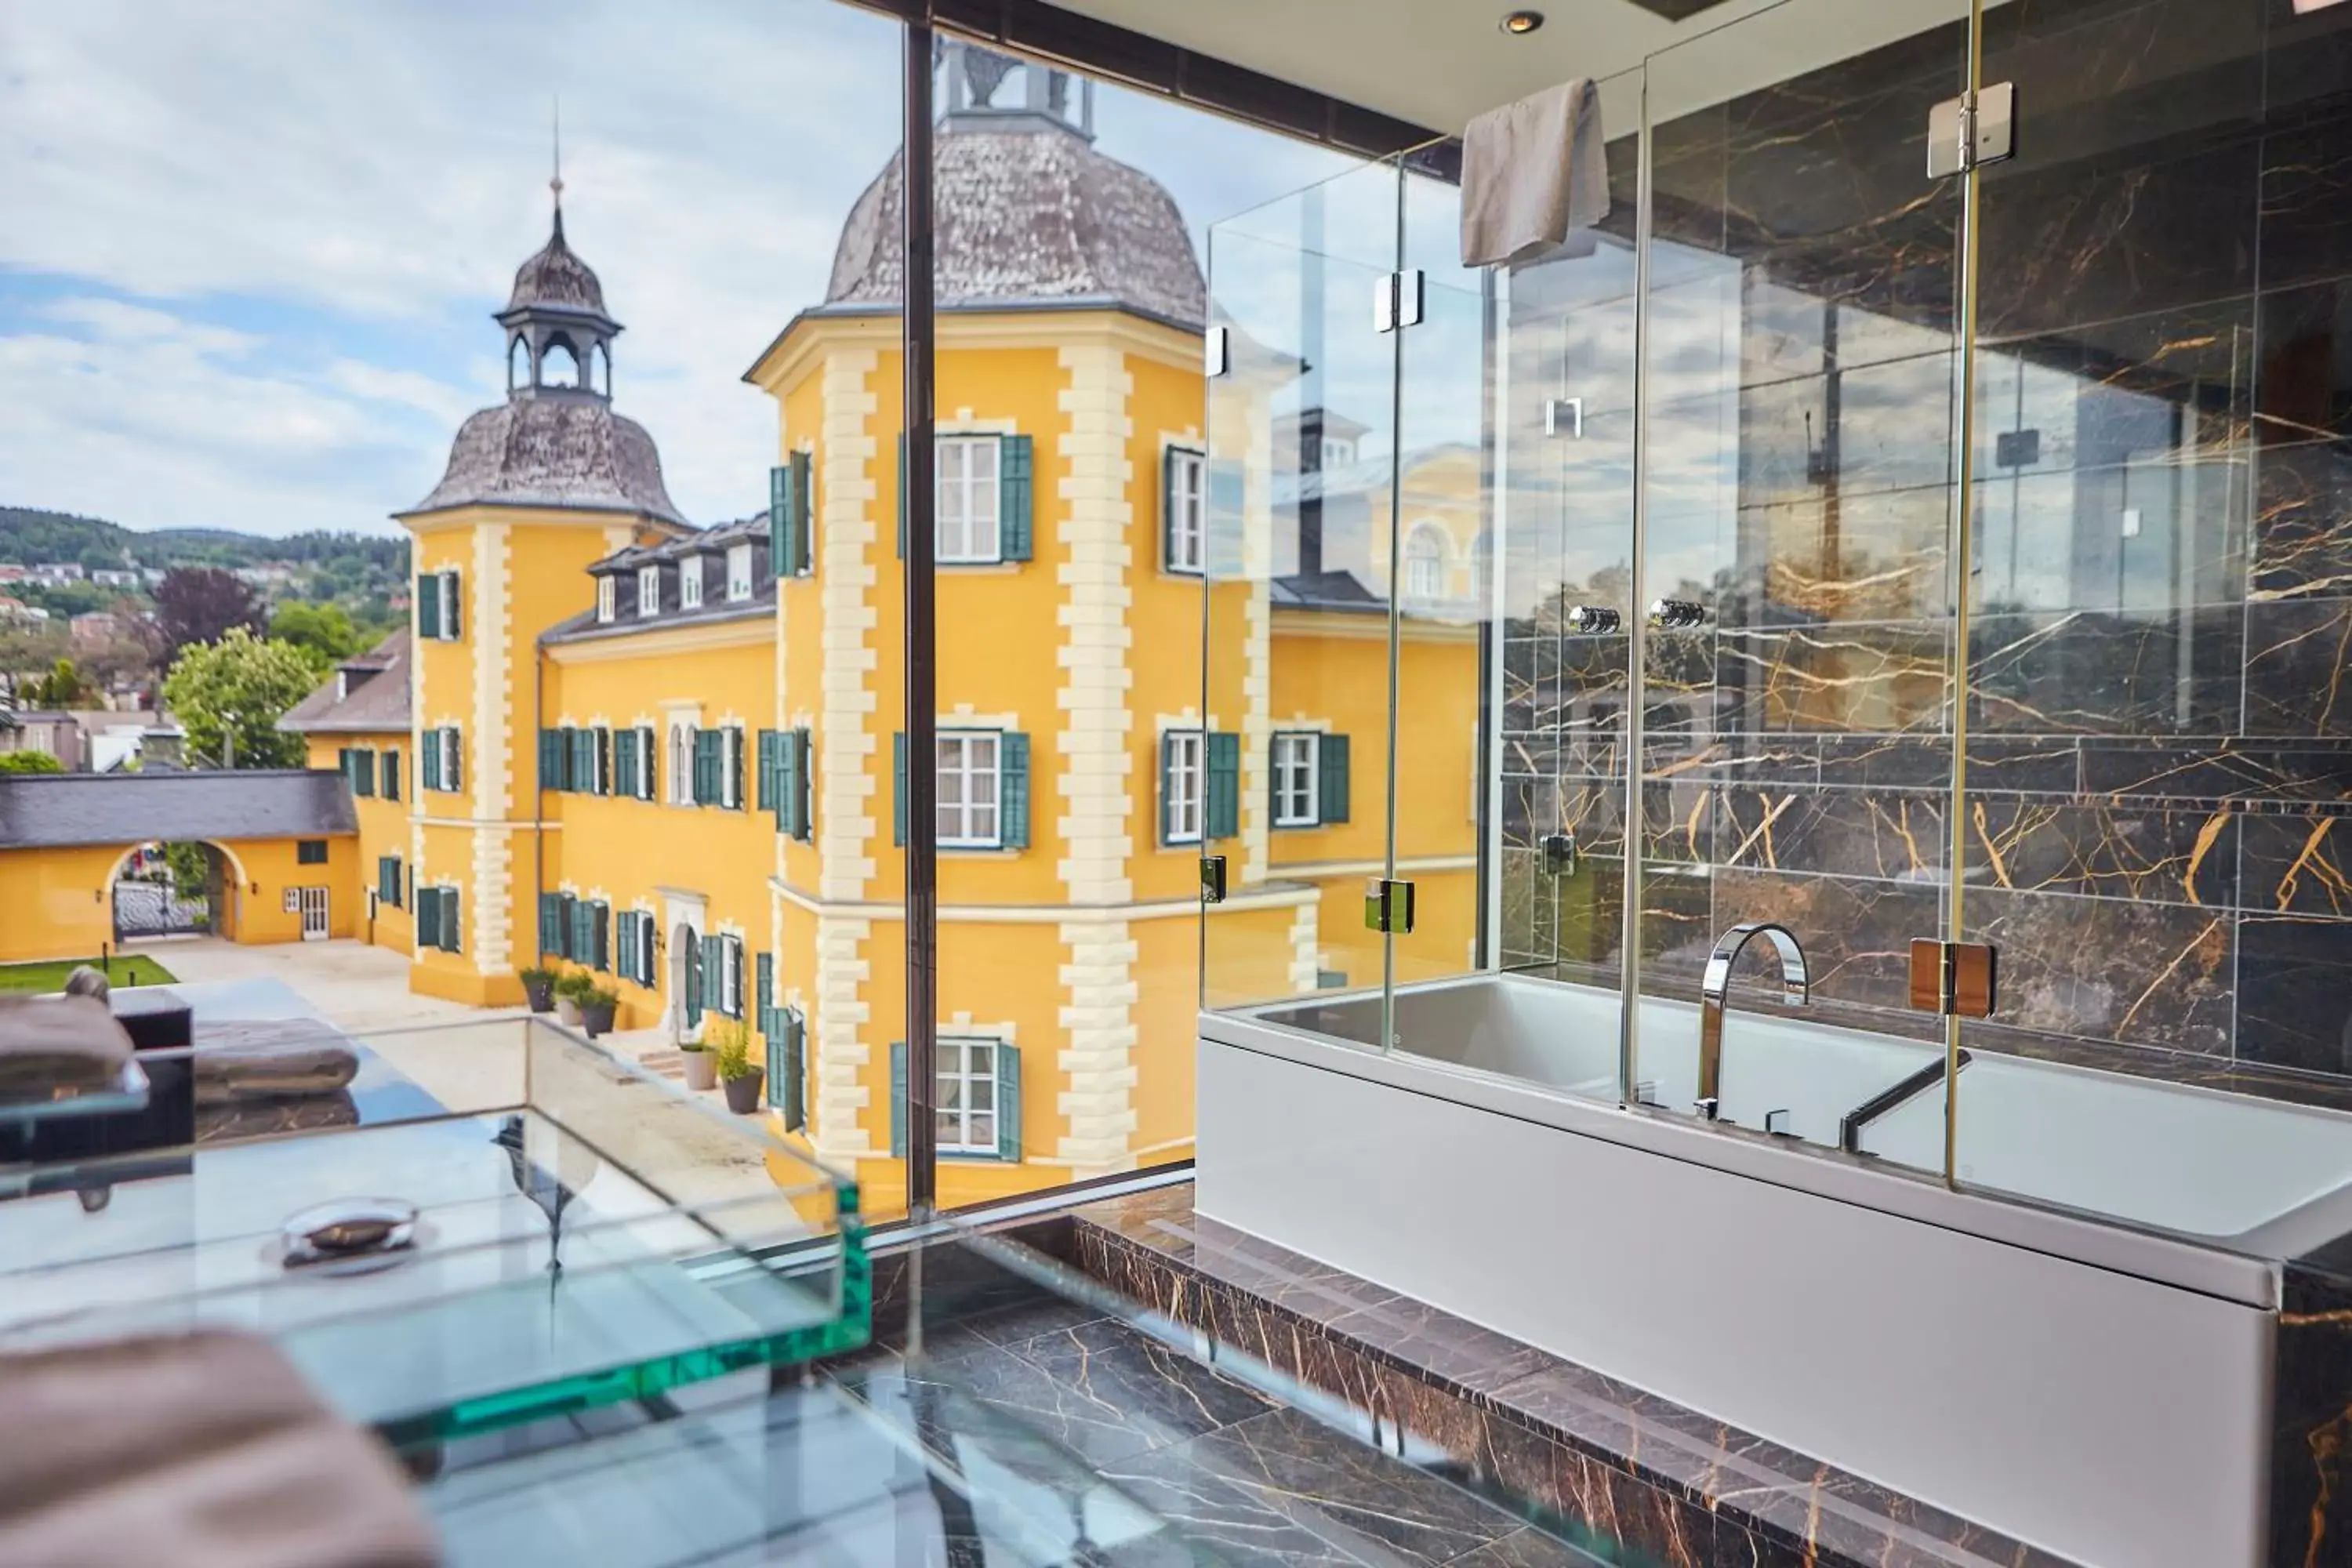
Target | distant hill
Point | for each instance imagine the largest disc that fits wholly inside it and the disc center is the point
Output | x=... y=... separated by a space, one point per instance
x=28 y=536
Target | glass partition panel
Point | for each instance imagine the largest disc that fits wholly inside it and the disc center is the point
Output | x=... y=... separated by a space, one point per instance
x=1294 y=707
x=1554 y=560
x=2157 y=732
x=1433 y=565
x=1797 y=460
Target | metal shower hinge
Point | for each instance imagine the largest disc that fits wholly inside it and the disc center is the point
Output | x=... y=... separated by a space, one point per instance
x=1213 y=878
x=1388 y=906
x=1397 y=300
x=1962 y=135
x=1954 y=978
x=1564 y=416
x=1217 y=353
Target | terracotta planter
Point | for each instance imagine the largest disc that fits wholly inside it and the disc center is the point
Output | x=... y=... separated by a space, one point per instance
x=540 y=994
x=701 y=1069
x=567 y=1011
x=596 y=1018
x=743 y=1093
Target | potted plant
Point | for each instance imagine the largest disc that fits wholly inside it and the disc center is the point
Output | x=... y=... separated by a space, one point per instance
x=570 y=990
x=596 y=1009
x=738 y=1073
x=701 y=1061
x=538 y=987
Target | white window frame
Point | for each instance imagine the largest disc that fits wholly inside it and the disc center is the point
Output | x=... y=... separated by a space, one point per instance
x=956 y=1053
x=608 y=598
x=960 y=492
x=1297 y=770
x=444 y=590
x=739 y=572
x=1186 y=805
x=689 y=582
x=1188 y=501
x=649 y=592
x=681 y=762
x=1436 y=565
x=965 y=772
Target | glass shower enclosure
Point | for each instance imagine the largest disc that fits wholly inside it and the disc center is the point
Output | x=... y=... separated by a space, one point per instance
x=1938 y=556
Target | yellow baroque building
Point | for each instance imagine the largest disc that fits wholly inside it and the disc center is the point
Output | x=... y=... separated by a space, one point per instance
x=672 y=755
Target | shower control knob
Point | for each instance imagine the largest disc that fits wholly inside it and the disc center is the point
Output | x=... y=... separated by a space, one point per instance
x=1671 y=615
x=1592 y=619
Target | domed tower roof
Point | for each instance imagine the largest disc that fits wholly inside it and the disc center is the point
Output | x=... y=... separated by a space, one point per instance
x=1026 y=212
x=556 y=441
x=554 y=277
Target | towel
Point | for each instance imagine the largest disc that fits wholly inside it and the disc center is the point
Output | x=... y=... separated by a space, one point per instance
x=1531 y=171
x=204 y=1450
x=53 y=1045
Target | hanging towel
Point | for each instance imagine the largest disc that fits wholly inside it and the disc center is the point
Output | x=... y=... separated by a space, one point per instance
x=1531 y=171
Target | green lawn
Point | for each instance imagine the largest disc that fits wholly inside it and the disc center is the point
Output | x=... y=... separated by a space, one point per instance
x=136 y=970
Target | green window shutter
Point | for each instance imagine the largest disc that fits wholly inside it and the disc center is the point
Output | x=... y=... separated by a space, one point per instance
x=899 y=1099
x=1008 y=1103
x=803 y=491
x=770 y=1028
x=432 y=759
x=624 y=944
x=624 y=763
x=714 y=974
x=795 y=1071
x=343 y=764
x=449 y=920
x=551 y=925
x=568 y=924
x=1167 y=788
x=451 y=617
x=701 y=771
x=693 y=982
x=780 y=479
x=583 y=930
x=1017 y=526
x=428 y=605
x=391 y=775
x=1331 y=780
x=766 y=798
x=364 y=760
x=902 y=495
x=550 y=759
x=428 y=921
x=899 y=787
x=1223 y=814
x=601 y=930
x=797 y=785
x=1012 y=790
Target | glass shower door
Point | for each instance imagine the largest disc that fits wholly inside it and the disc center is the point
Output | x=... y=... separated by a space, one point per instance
x=1293 y=727
x=1798 y=460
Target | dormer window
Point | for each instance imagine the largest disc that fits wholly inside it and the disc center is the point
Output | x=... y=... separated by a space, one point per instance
x=649 y=592
x=690 y=583
x=343 y=685
x=739 y=572
x=608 y=598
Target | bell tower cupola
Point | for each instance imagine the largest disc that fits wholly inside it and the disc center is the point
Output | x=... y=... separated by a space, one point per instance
x=558 y=338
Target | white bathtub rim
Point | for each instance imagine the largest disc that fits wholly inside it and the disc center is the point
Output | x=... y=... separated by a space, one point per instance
x=2186 y=1263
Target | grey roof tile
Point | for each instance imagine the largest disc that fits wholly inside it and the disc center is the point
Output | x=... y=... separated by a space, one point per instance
x=54 y=810
x=376 y=704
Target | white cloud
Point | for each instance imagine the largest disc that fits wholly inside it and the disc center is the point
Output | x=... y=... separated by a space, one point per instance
x=351 y=186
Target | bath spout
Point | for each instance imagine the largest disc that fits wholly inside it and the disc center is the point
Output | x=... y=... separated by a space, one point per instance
x=1796 y=989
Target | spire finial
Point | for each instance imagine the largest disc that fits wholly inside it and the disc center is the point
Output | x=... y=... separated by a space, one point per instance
x=556 y=183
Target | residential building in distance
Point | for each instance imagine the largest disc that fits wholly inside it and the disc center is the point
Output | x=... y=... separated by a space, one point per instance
x=95 y=627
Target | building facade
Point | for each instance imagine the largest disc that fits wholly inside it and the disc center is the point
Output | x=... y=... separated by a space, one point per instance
x=674 y=756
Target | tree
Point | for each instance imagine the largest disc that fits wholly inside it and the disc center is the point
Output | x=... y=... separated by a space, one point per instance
x=29 y=763
x=63 y=687
x=203 y=604
x=229 y=695
x=323 y=632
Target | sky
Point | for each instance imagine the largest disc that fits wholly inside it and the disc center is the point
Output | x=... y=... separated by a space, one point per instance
x=250 y=250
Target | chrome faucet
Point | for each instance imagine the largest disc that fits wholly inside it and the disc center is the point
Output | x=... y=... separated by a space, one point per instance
x=1796 y=989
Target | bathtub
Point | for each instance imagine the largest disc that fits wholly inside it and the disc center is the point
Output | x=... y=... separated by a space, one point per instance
x=2091 y=1372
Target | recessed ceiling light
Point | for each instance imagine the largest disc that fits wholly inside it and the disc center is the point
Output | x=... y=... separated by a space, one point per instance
x=1519 y=24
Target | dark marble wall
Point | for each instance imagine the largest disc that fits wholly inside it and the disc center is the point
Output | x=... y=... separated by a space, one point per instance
x=2159 y=754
